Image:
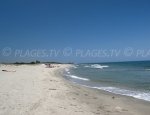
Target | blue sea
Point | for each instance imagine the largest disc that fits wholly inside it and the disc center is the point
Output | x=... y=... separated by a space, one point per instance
x=124 y=78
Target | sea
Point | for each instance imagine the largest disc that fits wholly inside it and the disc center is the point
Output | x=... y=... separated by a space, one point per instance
x=124 y=78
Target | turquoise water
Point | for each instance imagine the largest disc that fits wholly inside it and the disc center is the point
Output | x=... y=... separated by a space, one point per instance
x=125 y=78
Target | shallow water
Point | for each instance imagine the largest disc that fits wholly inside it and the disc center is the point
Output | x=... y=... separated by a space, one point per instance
x=125 y=78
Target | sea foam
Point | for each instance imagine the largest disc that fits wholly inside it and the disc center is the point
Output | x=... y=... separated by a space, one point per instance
x=136 y=94
x=76 y=77
x=98 y=66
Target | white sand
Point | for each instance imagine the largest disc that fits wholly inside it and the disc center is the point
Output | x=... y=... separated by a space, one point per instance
x=36 y=90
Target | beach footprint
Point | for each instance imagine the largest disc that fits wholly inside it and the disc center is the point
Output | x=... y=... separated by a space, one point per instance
x=119 y=109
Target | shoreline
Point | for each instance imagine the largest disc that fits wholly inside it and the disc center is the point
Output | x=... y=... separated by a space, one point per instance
x=138 y=106
x=105 y=89
x=37 y=90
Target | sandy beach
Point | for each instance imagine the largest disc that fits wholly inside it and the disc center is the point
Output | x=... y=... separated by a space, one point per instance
x=37 y=90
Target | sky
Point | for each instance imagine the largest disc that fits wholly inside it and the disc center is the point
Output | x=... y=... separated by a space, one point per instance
x=74 y=28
